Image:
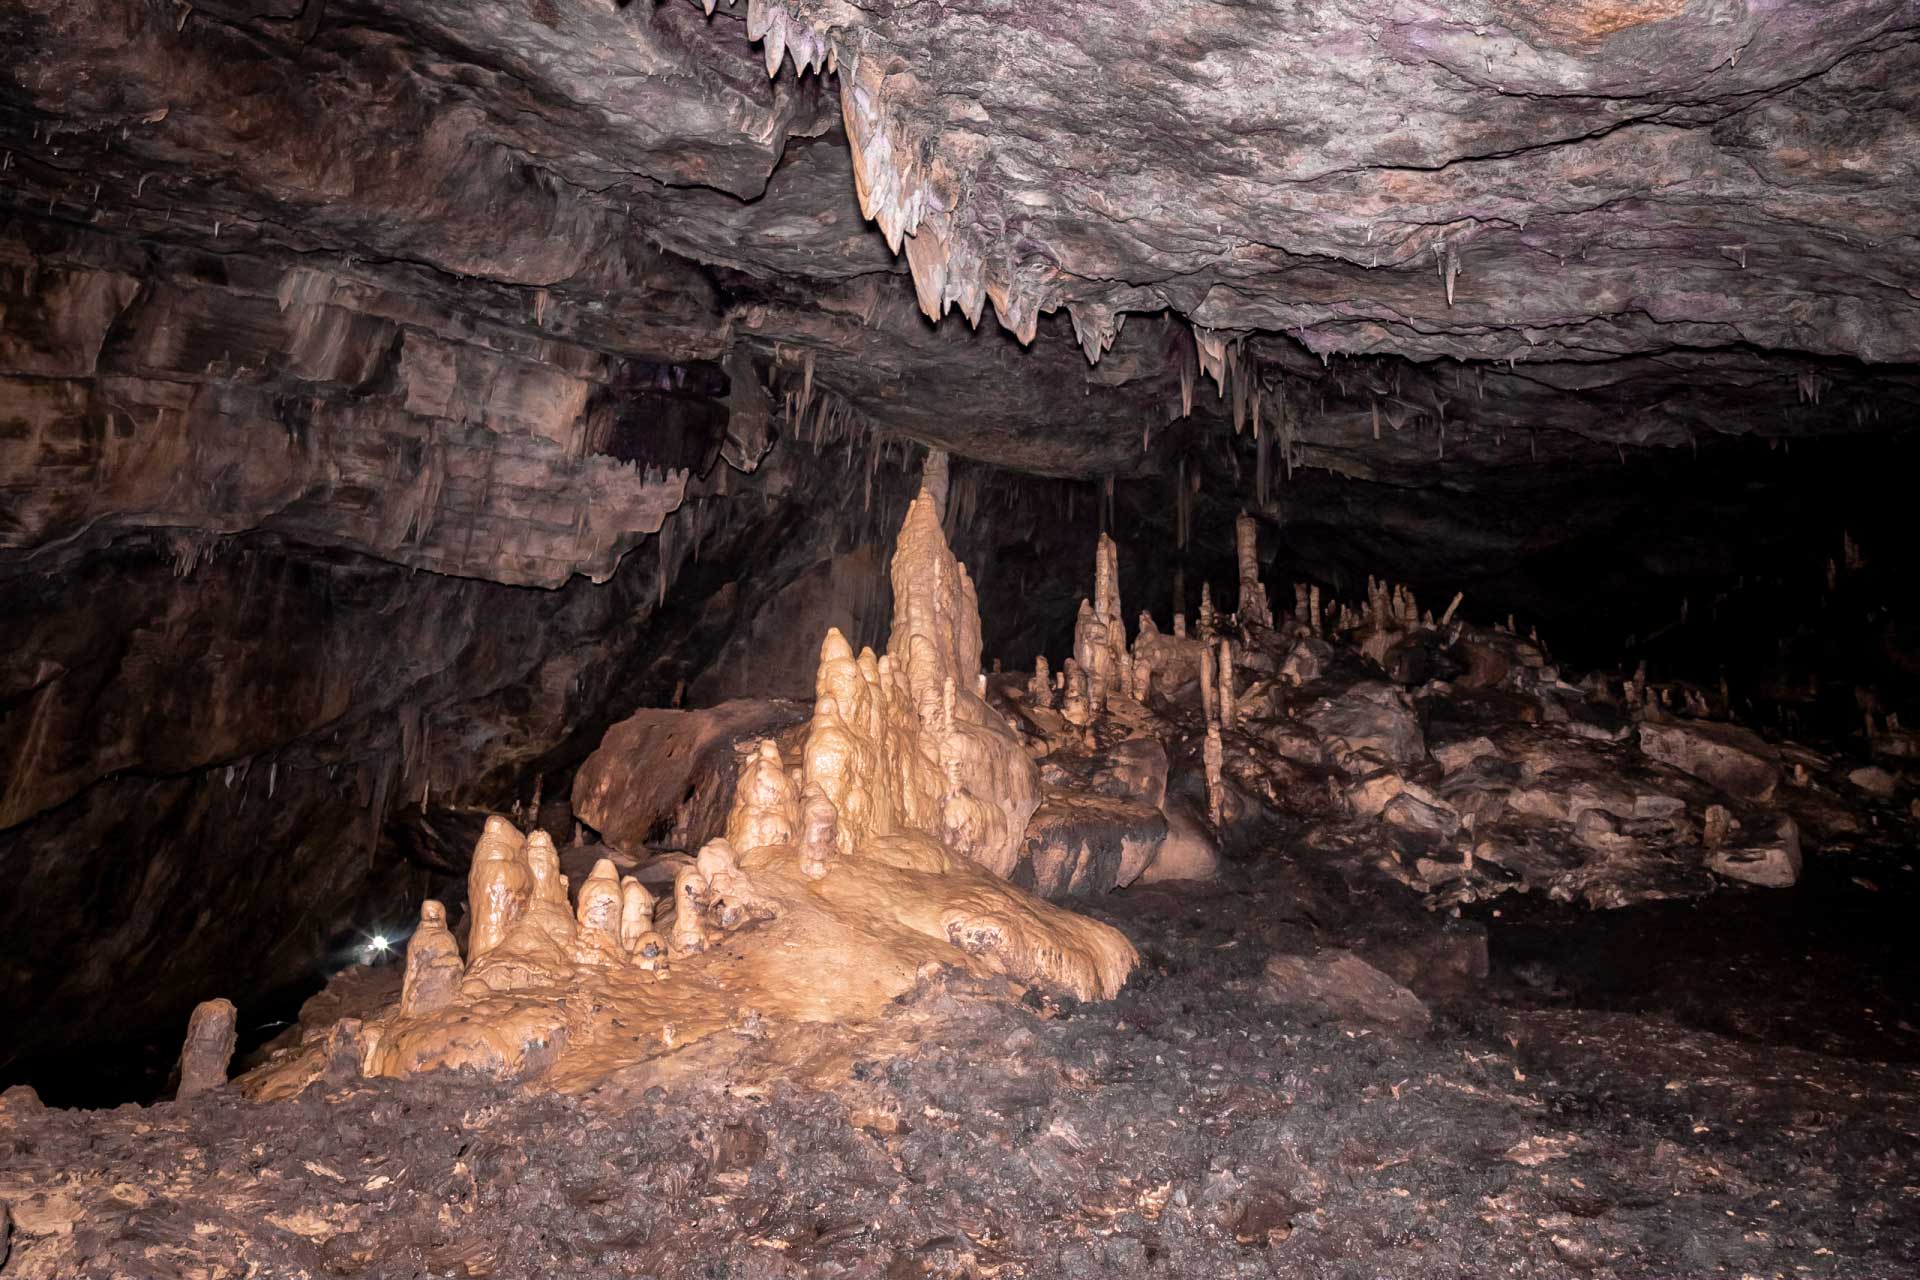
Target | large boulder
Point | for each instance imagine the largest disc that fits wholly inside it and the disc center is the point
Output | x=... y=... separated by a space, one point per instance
x=1082 y=843
x=1737 y=761
x=664 y=771
x=1370 y=721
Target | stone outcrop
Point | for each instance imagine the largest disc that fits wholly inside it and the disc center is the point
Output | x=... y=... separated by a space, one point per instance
x=325 y=406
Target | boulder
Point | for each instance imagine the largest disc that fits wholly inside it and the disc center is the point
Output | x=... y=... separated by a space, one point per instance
x=1305 y=661
x=1374 y=792
x=1875 y=781
x=1772 y=863
x=662 y=768
x=1458 y=755
x=1369 y=721
x=1736 y=760
x=1338 y=986
x=1188 y=852
x=1079 y=842
x=1419 y=812
x=1435 y=963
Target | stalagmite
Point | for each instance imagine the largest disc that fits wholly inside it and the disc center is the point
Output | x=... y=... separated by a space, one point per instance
x=596 y=938
x=764 y=801
x=1452 y=605
x=1209 y=684
x=689 y=934
x=1214 y=756
x=208 y=1048
x=1254 y=608
x=1313 y=610
x=819 y=832
x=498 y=887
x=1074 y=705
x=731 y=897
x=1142 y=679
x=1098 y=667
x=1209 y=619
x=1040 y=687
x=1717 y=827
x=434 y=969
x=1227 y=711
x=543 y=866
x=636 y=917
x=1300 y=613
x=1180 y=626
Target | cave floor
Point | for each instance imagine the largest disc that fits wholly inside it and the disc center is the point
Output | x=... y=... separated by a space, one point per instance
x=1685 y=1093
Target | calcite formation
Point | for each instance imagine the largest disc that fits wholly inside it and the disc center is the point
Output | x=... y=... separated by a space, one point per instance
x=1254 y=608
x=208 y=1049
x=880 y=856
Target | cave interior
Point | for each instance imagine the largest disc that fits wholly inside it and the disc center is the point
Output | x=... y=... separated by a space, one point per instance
x=941 y=638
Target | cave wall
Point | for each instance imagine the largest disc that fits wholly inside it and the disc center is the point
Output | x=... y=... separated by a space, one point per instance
x=299 y=562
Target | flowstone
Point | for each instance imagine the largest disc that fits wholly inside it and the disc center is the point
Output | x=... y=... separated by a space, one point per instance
x=838 y=886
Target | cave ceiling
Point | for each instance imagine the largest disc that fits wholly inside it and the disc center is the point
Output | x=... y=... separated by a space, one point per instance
x=1413 y=238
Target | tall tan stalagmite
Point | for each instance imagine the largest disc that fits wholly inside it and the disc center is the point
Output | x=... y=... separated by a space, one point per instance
x=1227 y=710
x=1106 y=608
x=936 y=635
x=1106 y=578
x=433 y=969
x=1209 y=617
x=498 y=887
x=1214 y=756
x=1209 y=684
x=1254 y=607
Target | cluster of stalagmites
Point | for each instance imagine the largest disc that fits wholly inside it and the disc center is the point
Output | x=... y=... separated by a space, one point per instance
x=1456 y=758
x=842 y=878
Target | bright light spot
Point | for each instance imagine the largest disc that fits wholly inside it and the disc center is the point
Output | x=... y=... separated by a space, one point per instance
x=379 y=943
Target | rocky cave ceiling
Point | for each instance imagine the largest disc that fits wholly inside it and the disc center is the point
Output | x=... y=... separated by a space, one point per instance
x=1478 y=233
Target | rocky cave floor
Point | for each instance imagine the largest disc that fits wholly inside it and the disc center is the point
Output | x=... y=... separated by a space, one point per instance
x=1716 y=1087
